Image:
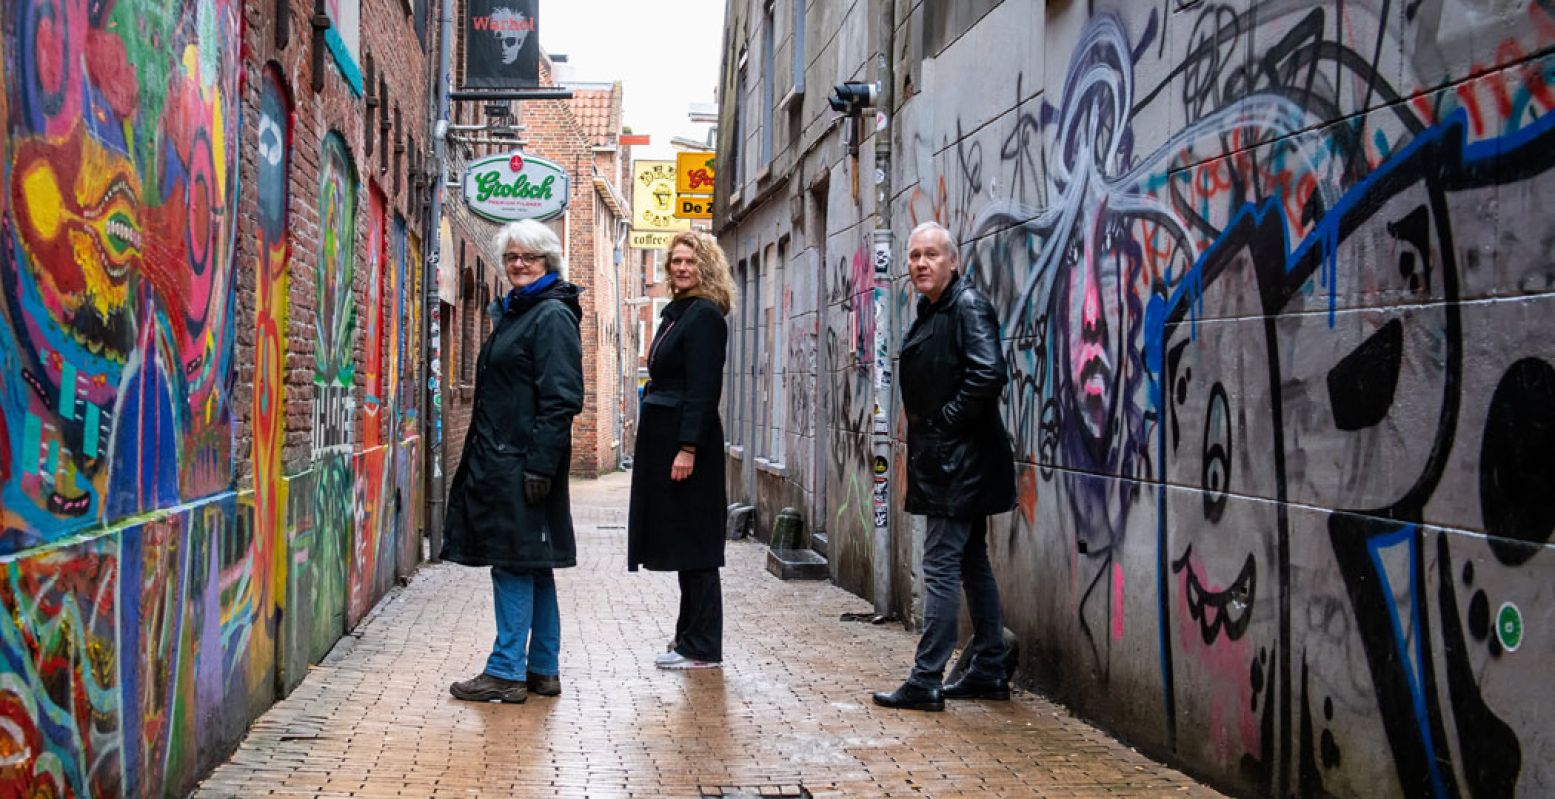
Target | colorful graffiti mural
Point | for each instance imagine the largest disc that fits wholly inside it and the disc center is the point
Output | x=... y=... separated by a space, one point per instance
x=1270 y=280
x=150 y=610
x=334 y=484
x=270 y=340
x=115 y=264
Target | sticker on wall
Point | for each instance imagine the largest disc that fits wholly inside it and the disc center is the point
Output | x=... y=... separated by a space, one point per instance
x=1509 y=626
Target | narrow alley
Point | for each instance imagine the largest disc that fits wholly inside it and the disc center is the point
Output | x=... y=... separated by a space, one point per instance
x=788 y=715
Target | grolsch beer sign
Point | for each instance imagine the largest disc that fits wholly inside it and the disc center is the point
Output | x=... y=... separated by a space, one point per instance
x=514 y=186
x=502 y=44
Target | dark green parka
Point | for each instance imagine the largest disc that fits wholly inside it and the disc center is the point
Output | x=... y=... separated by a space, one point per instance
x=528 y=386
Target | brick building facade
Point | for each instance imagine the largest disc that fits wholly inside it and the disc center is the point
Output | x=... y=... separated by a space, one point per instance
x=581 y=135
x=394 y=91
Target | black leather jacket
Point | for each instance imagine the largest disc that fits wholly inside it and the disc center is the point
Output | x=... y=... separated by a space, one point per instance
x=960 y=464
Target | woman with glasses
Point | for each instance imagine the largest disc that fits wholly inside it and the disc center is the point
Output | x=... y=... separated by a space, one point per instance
x=508 y=507
x=676 y=522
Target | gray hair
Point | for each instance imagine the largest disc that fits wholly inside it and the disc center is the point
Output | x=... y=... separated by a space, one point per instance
x=950 y=241
x=534 y=237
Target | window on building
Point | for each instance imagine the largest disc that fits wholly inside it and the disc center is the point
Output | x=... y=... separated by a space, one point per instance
x=372 y=106
x=487 y=322
x=779 y=398
x=419 y=13
x=738 y=156
x=399 y=150
x=757 y=369
x=767 y=372
x=383 y=125
x=736 y=369
x=768 y=38
x=467 y=326
x=796 y=47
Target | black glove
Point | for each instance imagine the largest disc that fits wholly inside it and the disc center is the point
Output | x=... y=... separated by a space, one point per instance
x=536 y=487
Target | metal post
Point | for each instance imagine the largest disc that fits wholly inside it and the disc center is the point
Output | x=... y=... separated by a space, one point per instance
x=432 y=350
x=885 y=334
x=619 y=246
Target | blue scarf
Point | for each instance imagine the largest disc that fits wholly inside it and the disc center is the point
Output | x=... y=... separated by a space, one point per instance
x=533 y=288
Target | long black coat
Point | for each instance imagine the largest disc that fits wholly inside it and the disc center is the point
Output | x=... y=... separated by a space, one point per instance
x=528 y=386
x=674 y=525
x=959 y=461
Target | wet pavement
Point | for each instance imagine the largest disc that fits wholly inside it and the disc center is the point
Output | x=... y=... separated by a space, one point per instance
x=788 y=715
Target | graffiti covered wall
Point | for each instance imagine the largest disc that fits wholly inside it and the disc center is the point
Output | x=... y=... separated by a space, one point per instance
x=1275 y=284
x=151 y=609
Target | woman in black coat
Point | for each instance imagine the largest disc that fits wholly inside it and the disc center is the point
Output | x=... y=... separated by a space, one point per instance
x=508 y=507
x=678 y=498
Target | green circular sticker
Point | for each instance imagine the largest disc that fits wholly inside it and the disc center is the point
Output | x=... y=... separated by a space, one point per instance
x=1509 y=626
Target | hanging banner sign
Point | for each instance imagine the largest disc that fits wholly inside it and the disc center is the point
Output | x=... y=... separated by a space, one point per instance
x=507 y=188
x=694 y=206
x=653 y=197
x=501 y=44
x=694 y=172
x=650 y=239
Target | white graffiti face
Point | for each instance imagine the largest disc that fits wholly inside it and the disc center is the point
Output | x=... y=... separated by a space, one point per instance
x=272 y=140
x=512 y=30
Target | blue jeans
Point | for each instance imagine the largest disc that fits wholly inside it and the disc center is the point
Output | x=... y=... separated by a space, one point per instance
x=526 y=612
x=956 y=551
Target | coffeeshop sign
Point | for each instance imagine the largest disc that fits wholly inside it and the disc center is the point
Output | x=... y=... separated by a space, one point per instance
x=514 y=186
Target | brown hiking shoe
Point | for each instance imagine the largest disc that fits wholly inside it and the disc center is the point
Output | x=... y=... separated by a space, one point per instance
x=544 y=684
x=486 y=688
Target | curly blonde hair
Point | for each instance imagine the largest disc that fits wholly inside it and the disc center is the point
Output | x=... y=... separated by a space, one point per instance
x=717 y=283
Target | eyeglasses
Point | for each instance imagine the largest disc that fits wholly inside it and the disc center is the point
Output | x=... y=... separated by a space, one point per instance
x=529 y=258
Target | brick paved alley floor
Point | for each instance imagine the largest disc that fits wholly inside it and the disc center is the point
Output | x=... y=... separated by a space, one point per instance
x=790 y=708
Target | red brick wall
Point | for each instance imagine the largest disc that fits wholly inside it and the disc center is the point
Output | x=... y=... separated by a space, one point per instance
x=386 y=28
x=550 y=131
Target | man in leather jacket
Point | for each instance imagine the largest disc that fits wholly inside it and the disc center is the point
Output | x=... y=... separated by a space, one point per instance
x=960 y=470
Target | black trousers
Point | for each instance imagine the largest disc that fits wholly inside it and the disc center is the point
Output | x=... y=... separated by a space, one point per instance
x=699 y=630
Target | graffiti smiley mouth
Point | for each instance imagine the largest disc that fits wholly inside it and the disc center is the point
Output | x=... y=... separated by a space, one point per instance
x=1229 y=610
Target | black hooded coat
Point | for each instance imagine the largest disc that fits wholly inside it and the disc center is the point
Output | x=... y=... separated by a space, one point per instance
x=528 y=386
x=677 y=525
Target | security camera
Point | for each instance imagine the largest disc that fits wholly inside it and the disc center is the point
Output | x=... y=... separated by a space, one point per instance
x=852 y=96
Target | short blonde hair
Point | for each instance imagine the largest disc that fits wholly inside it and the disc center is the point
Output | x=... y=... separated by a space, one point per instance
x=717 y=283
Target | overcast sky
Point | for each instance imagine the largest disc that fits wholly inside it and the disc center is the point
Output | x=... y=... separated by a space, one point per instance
x=664 y=54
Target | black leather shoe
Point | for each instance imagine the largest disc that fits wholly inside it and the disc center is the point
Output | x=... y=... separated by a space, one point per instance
x=912 y=697
x=969 y=687
x=486 y=688
x=544 y=684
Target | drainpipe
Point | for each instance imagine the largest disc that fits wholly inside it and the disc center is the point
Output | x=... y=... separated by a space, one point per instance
x=617 y=261
x=432 y=350
x=885 y=309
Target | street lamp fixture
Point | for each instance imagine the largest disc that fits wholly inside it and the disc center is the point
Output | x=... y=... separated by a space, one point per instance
x=852 y=97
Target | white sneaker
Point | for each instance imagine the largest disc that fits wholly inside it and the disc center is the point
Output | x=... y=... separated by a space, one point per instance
x=679 y=662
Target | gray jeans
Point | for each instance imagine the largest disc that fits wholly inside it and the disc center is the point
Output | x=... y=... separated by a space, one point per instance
x=956 y=550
